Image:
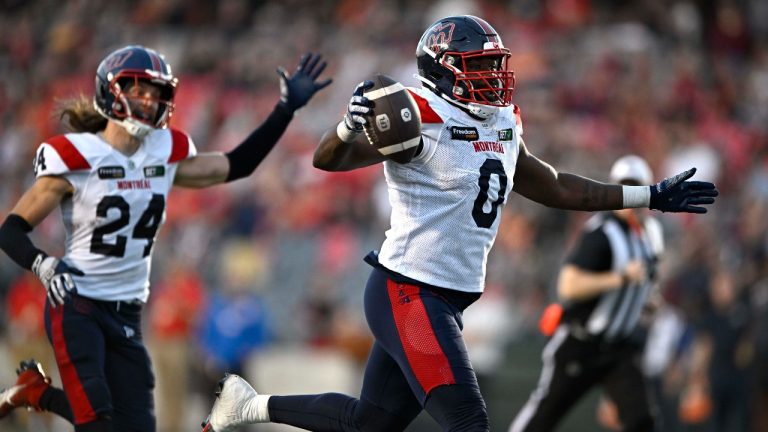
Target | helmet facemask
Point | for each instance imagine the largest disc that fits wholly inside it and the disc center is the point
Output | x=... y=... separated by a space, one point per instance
x=142 y=111
x=481 y=77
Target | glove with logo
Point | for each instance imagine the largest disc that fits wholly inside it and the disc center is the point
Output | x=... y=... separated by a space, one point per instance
x=675 y=194
x=359 y=108
x=56 y=277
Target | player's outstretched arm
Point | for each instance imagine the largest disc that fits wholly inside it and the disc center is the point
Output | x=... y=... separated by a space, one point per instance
x=540 y=182
x=296 y=90
x=344 y=147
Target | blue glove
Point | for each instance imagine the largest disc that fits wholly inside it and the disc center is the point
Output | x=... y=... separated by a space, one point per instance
x=56 y=277
x=675 y=194
x=297 y=89
x=359 y=108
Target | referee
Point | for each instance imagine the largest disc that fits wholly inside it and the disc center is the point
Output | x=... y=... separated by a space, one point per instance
x=603 y=287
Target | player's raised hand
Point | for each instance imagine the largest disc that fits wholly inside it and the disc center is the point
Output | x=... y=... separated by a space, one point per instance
x=675 y=194
x=359 y=108
x=298 y=88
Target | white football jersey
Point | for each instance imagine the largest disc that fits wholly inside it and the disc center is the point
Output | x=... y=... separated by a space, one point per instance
x=447 y=202
x=111 y=220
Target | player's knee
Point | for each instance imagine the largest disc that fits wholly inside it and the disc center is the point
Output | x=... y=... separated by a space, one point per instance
x=458 y=408
x=371 y=418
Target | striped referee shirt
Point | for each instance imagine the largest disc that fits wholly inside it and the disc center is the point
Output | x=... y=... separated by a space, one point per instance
x=608 y=243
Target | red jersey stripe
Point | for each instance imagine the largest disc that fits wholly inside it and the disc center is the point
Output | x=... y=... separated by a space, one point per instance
x=518 y=117
x=424 y=353
x=180 y=149
x=68 y=153
x=428 y=115
x=82 y=410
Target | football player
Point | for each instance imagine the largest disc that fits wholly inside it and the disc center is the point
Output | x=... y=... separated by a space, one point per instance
x=446 y=205
x=111 y=179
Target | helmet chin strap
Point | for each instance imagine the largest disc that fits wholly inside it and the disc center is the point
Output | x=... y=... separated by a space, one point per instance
x=134 y=127
x=480 y=111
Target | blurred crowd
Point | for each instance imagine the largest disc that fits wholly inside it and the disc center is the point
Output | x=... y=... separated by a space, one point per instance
x=275 y=261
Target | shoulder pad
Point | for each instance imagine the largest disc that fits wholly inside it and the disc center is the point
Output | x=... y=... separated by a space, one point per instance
x=428 y=115
x=182 y=146
x=57 y=156
x=518 y=120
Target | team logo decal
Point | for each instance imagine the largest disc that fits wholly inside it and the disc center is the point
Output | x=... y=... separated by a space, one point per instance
x=464 y=133
x=111 y=172
x=406 y=115
x=440 y=36
x=382 y=122
x=117 y=60
x=506 y=135
x=154 y=171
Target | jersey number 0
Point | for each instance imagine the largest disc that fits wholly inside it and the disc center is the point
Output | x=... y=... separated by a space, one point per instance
x=489 y=167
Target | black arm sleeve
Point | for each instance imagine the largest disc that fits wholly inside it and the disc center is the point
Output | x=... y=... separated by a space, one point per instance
x=15 y=242
x=244 y=158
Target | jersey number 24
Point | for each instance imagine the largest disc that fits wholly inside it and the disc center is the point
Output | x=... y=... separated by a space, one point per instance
x=145 y=228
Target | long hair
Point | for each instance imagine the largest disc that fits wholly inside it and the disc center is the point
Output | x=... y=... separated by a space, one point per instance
x=79 y=115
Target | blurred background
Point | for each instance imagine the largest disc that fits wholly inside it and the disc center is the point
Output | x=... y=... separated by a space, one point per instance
x=265 y=276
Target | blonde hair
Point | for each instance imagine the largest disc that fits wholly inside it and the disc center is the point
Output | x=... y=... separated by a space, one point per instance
x=79 y=115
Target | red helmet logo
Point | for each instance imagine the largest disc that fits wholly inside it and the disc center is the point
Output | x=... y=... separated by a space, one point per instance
x=117 y=60
x=440 y=36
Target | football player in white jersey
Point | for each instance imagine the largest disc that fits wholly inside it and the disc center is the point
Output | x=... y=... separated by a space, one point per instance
x=111 y=178
x=446 y=206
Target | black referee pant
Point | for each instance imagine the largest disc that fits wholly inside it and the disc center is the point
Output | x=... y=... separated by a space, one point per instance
x=571 y=368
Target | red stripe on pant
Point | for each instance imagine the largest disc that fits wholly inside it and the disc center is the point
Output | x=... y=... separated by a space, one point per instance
x=425 y=356
x=82 y=410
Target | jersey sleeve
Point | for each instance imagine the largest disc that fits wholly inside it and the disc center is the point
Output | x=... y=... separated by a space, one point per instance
x=518 y=121
x=58 y=156
x=593 y=252
x=182 y=147
x=431 y=124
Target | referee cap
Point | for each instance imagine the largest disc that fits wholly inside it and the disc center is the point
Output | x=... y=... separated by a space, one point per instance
x=631 y=168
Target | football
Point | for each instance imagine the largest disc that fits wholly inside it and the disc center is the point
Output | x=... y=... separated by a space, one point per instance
x=395 y=129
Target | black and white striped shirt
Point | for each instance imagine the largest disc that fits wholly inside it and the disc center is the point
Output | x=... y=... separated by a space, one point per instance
x=608 y=243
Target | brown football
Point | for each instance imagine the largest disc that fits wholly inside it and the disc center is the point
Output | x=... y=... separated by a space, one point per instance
x=395 y=126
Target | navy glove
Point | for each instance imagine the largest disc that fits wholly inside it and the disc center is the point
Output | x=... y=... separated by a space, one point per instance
x=297 y=89
x=675 y=194
x=359 y=108
x=56 y=277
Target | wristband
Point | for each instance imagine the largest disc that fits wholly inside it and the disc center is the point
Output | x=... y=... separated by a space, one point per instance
x=636 y=196
x=344 y=134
